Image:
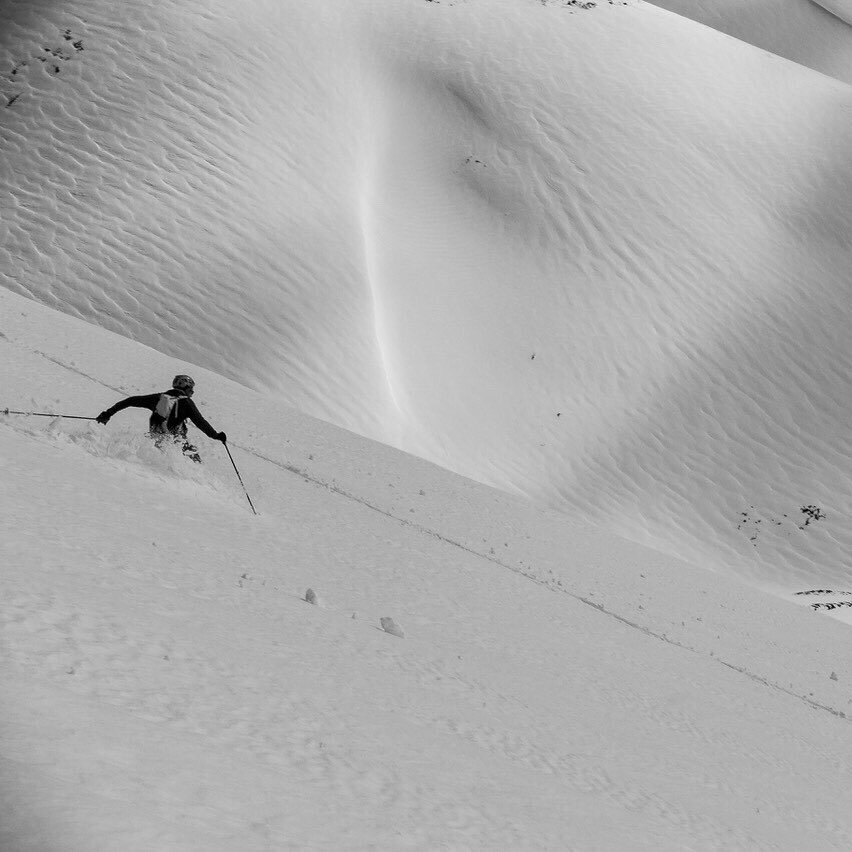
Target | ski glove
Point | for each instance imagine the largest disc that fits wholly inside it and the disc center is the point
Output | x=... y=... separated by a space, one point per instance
x=103 y=418
x=222 y=437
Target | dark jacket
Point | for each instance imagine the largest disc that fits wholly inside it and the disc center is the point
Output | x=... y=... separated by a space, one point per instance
x=184 y=409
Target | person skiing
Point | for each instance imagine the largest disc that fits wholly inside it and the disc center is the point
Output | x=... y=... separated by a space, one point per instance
x=169 y=412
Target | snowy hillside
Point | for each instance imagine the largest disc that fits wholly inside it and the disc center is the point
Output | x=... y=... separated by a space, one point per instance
x=815 y=33
x=165 y=686
x=842 y=9
x=596 y=256
x=593 y=255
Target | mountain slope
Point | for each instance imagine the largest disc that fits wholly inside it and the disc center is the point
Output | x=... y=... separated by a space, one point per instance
x=164 y=685
x=813 y=33
x=595 y=256
x=841 y=9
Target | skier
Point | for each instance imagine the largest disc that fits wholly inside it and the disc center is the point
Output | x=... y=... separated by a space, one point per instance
x=169 y=413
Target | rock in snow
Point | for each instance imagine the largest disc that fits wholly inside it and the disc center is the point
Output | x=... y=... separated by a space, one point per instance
x=390 y=626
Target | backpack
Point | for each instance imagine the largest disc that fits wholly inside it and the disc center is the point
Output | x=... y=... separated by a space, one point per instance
x=166 y=406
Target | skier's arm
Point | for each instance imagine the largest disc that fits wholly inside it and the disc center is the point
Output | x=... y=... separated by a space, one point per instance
x=199 y=421
x=148 y=401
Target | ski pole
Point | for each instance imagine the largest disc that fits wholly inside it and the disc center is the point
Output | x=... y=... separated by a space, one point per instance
x=228 y=450
x=40 y=414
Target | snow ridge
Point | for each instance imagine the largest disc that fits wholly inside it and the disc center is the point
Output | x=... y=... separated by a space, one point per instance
x=841 y=9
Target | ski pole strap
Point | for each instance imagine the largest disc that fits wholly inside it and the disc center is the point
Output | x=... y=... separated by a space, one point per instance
x=41 y=414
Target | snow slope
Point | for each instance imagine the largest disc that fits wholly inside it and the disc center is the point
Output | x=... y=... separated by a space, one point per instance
x=840 y=8
x=799 y=30
x=164 y=686
x=597 y=257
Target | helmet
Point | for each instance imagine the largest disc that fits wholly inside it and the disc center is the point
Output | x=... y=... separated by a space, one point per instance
x=184 y=383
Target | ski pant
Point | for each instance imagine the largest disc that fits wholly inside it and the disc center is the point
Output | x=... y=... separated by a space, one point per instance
x=189 y=450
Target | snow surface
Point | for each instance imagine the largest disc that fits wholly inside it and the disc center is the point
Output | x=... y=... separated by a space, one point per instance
x=166 y=686
x=598 y=257
x=595 y=257
x=841 y=8
x=799 y=30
